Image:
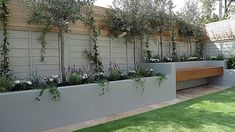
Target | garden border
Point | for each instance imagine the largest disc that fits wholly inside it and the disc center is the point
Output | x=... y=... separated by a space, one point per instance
x=78 y=103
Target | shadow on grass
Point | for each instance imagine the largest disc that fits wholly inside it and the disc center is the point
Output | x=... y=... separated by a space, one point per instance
x=217 y=113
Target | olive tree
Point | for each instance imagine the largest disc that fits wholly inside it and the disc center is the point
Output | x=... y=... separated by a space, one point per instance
x=160 y=18
x=56 y=14
x=129 y=17
x=190 y=21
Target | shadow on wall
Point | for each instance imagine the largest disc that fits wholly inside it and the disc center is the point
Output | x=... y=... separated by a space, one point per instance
x=221 y=38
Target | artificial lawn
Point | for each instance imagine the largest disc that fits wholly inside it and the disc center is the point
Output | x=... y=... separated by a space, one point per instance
x=210 y=113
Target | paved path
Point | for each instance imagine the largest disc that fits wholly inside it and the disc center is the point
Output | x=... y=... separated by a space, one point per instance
x=182 y=95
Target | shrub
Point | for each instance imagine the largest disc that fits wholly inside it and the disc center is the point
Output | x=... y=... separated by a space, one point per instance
x=183 y=58
x=167 y=59
x=114 y=72
x=22 y=85
x=193 y=58
x=218 y=57
x=74 y=78
x=142 y=71
x=5 y=83
x=231 y=62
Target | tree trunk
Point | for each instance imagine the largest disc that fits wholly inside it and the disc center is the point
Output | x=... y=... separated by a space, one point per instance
x=225 y=9
x=161 y=56
x=134 y=54
x=190 y=46
x=61 y=35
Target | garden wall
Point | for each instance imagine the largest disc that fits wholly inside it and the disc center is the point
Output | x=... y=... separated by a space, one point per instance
x=221 y=38
x=25 y=53
x=78 y=103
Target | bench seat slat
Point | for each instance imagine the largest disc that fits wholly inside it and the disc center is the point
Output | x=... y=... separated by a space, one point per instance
x=192 y=73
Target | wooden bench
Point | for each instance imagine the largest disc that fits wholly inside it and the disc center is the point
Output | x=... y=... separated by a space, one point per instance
x=186 y=74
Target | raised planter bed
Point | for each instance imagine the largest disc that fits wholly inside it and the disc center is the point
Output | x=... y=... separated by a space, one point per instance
x=228 y=79
x=21 y=113
x=172 y=67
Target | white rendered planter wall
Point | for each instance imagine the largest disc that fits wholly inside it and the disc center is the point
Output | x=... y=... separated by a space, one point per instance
x=228 y=79
x=171 y=67
x=20 y=112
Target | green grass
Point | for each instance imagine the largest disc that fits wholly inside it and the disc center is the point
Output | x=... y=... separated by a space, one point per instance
x=211 y=113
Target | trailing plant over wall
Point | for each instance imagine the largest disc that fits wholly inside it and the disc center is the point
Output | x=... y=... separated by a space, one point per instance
x=4 y=15
x=90 y=21
x=56 y=14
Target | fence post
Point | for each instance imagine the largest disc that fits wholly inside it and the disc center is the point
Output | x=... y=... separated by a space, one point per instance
x=30 y=53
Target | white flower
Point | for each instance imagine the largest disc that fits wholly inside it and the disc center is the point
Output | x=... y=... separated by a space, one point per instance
x=85 y=76
x=132 y=71
x=17 y=82
x=29 y=82
x=151 y=70
x=51 y=79
x=101 y=73
x=55 y=76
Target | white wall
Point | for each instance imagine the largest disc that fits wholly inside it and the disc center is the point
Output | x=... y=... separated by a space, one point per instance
x=226 y=47
x=25 y=52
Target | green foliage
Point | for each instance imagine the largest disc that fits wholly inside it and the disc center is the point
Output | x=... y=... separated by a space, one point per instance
x=190 y=22
x=173 y=24
x=5 y=83
x=129 y=17
x=183 y=58
x=138 y=76
x=200 y=49
x=56 y=14
x=74 y=78
x=114 y=72
x=103 y=83
x=94 y=58
x=231 y=62
x=147 y=52
x=42 y=39
x=218 y=57
x=23 y=85
x=160 y=77
x=50 y=84
x=160 y=18
x=209 y=6
x=143 y=71
x=90 y=21
x=4 y=49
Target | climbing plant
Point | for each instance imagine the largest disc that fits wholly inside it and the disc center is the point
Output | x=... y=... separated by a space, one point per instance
x=147 y=52
x=4 y=15
x=172 y=28
x=42 y=39
x=56 y=14
x=90 y=21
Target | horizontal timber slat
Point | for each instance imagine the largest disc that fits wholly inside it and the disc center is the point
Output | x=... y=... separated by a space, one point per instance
x=186 y=74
